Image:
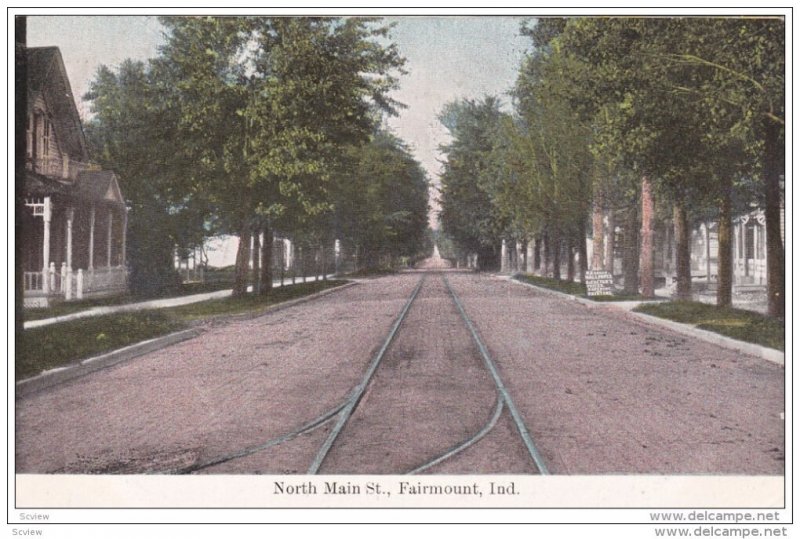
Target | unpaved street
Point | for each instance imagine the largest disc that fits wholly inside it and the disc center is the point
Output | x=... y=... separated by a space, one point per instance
x=599 y=393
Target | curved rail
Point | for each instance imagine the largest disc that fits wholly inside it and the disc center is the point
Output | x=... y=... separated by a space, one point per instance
x=345 y=414
x=308 y=427
x=498 y=409
x=355 y=396
x=523 y=430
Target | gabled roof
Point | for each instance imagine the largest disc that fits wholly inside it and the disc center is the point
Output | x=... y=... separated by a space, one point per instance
x=98 y=186
x=47 y=76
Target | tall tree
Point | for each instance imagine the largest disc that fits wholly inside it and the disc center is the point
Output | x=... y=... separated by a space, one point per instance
x=468 y=214
x=133 y=117
x=268 y=104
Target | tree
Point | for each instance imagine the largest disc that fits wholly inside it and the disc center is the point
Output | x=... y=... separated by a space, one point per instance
x=133 y=116
x=381 y=202
x=468 y=214
x=268 y=104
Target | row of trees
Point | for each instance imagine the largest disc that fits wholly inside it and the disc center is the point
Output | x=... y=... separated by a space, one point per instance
x=251 y=125
x=631 y=119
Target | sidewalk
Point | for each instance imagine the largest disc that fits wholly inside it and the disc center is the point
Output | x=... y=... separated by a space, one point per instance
x=769 y=354
x=151 y=304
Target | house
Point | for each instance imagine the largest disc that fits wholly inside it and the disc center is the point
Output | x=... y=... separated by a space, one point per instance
x=749 y=248
x=74 y=226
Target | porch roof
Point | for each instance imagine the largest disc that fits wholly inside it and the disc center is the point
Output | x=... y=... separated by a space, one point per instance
x=91 y=186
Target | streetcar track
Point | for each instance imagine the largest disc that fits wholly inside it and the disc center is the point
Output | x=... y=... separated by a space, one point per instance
x=486 y=429
x=344 y=411
x=487 y=359
x=308 y=427
x=355 y=395
x=345 y=414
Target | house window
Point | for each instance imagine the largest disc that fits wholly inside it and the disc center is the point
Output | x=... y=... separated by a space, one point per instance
x=46 y=126
x=29 y=137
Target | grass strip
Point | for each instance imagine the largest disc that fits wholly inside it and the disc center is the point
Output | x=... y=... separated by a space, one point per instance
x=738 y=324
x=40 y=349
x=70 y=307
x=577 y=289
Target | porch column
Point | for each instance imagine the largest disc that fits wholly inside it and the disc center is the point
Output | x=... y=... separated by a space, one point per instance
x=91 y=239
x=110 y=242
x=67 y=284
x=70 y=218
x=46 y=215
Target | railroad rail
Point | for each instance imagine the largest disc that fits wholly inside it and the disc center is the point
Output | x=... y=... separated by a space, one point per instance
x=344 y=410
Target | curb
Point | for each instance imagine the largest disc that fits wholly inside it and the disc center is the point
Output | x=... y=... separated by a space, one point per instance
x=83 y=367
x=223 y=318
x=762 y=352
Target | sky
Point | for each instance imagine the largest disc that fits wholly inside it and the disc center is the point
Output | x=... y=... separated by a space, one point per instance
x=448 y=58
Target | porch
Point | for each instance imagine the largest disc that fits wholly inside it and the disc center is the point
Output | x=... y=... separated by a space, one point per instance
x=74 y=249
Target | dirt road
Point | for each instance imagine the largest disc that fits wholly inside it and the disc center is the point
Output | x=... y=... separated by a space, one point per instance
x=598 y=391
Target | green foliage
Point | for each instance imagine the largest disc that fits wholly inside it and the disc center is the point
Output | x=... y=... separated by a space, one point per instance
x=736 y=323
x=55 y=345
x=241 y=122
x=567 y=287
x=469 y=217
x=381 y=201
x=133 y=117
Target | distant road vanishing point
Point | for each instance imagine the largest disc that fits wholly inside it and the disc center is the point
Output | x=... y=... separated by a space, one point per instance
x=434 y=262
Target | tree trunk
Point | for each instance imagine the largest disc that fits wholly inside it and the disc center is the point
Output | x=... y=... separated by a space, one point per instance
x=583 y=262
x=597 y=231
x=610 y=240
x=683 y=267
x=266 y=262
x=772 y=214
x=555 y=239
x=646 y=264
x=570 y=257
x=630 y=257
x=256 y=262
x=725 y=247
x=548 y=255
x=242 y=263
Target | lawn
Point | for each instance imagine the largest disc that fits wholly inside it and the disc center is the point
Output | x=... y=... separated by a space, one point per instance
x=70 y=307
x=577 y=289
x=735 y=323
x=44 y=348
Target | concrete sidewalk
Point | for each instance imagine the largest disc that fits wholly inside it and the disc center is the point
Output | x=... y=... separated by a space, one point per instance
x=151 y=304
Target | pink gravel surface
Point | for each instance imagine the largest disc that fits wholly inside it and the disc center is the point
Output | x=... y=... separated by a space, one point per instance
x=430 y=393
x=236 y=385
x=602 y=393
